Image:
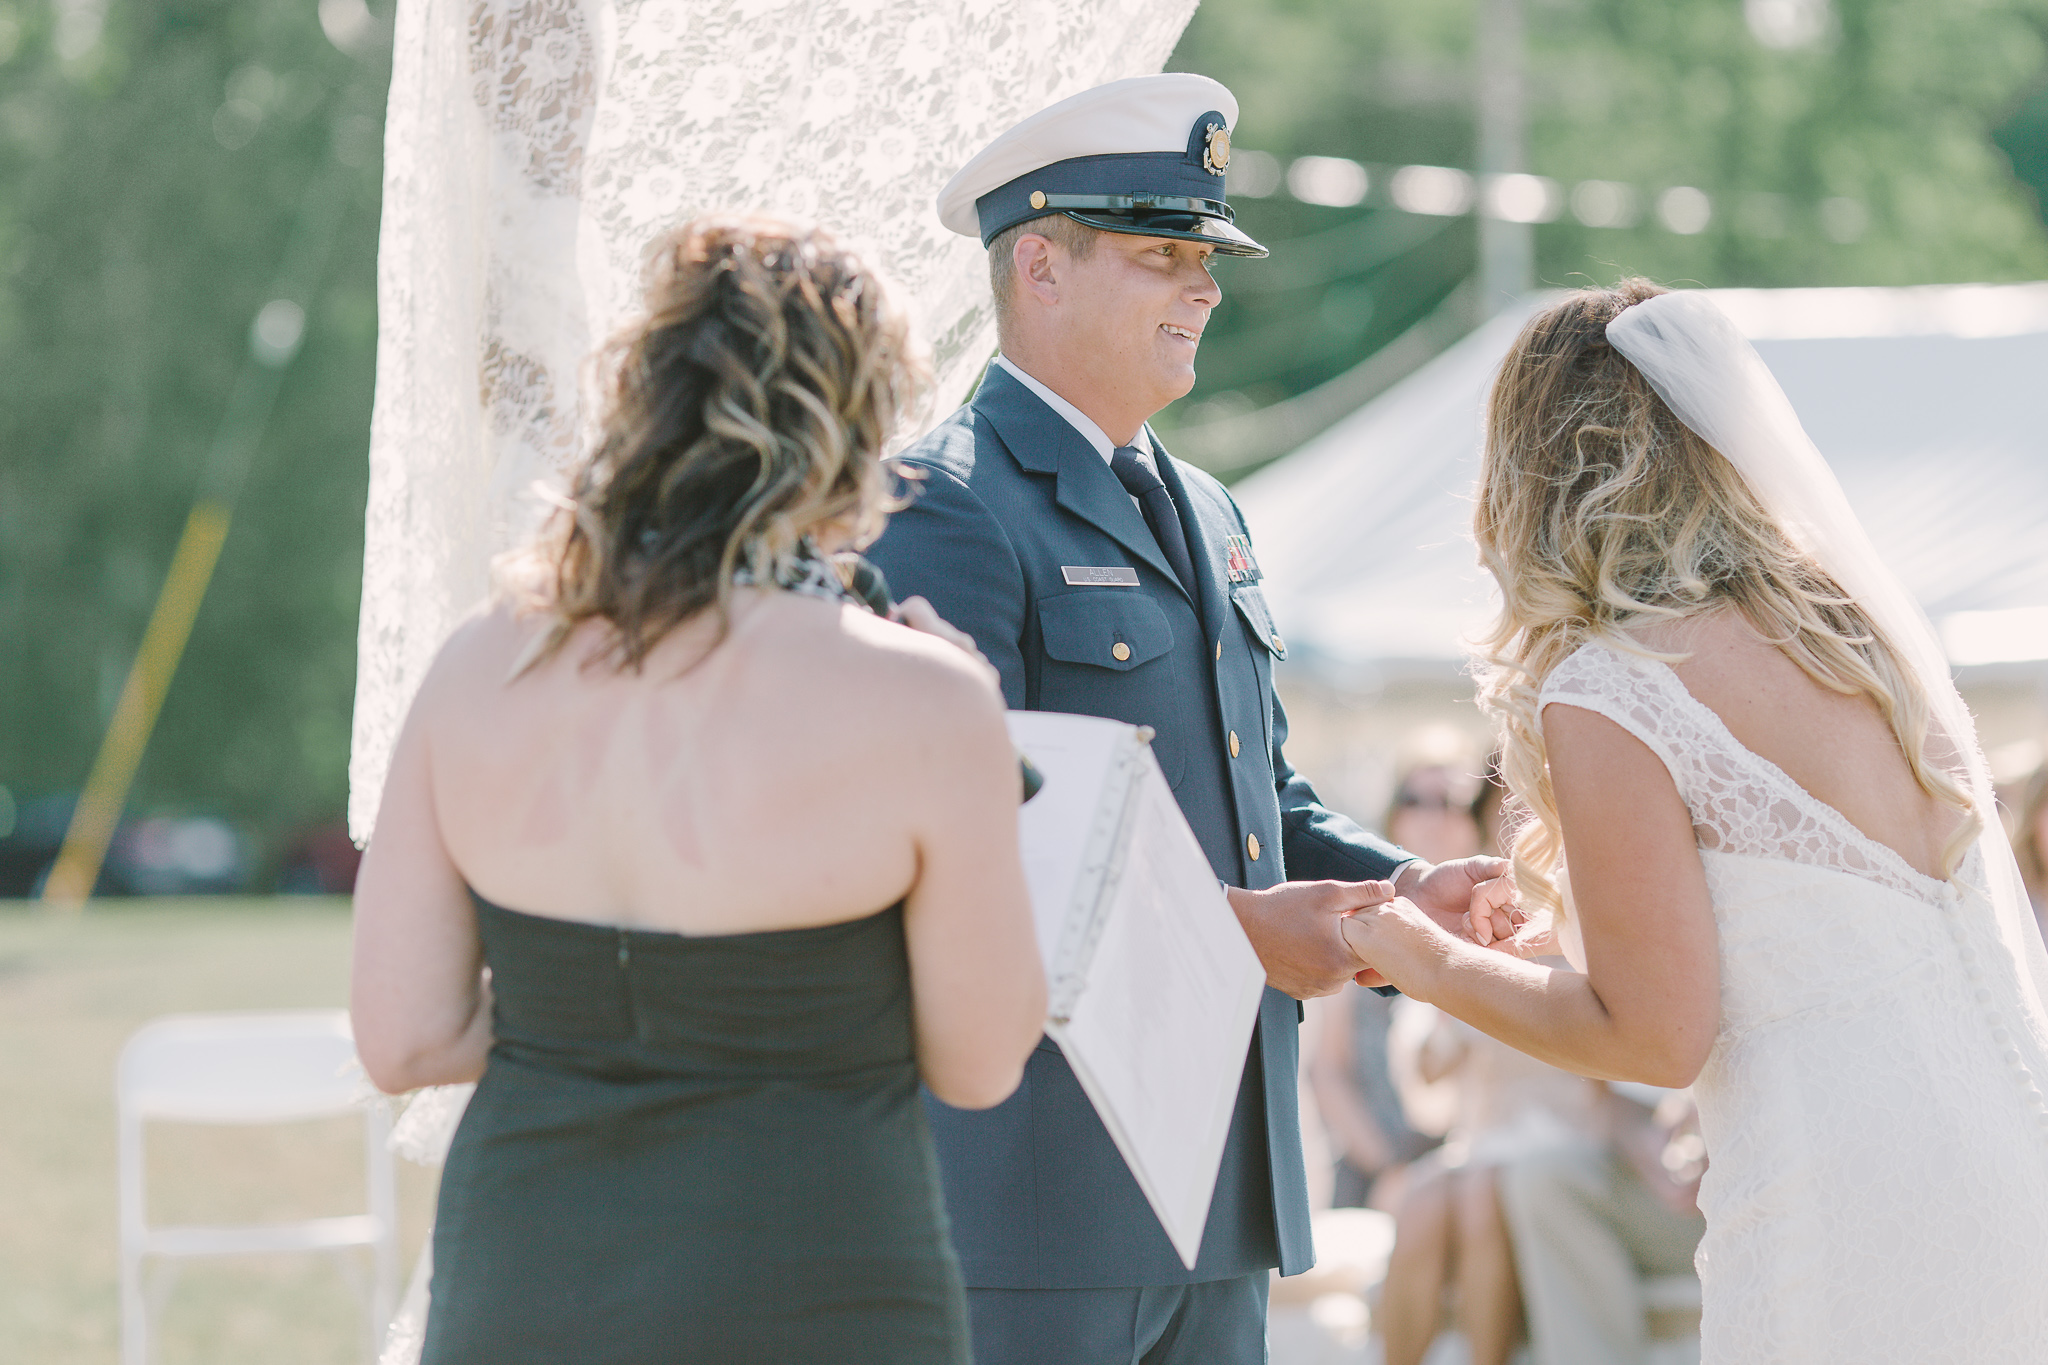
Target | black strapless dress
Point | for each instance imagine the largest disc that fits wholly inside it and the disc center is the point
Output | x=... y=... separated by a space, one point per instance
x=695 y=1149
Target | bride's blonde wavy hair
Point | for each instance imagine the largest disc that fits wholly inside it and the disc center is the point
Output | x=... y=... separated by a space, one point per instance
x=1599 y=511
x=747 y=411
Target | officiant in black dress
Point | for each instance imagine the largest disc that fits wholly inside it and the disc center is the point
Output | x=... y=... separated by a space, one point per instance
x=1101 y=577
x=657 y=868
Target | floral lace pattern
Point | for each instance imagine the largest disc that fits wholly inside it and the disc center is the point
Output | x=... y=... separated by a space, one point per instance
x=533 y=150
x=532 y=67
x=1740 y=803
x=1877 y=1134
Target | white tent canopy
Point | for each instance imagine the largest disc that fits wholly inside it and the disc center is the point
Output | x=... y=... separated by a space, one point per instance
x=1930 y=402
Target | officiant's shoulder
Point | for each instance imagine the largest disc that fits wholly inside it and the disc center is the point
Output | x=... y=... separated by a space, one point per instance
x=822 y=656
x=910 y=682
x=489 y=647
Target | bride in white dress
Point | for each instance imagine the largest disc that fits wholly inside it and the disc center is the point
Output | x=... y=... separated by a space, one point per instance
x=1787 y=882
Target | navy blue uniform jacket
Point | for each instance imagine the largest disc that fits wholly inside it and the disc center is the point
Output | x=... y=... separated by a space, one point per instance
x=1011 y=494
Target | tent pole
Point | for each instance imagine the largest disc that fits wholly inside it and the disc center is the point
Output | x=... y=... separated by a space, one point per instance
x=1507 y=251
x=274 y=339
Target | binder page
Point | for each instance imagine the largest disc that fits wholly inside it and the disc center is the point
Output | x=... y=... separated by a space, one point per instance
x=1158 y=1037
x=1075 y=755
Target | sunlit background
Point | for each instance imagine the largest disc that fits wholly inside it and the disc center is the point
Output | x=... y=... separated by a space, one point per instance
x=171 y=167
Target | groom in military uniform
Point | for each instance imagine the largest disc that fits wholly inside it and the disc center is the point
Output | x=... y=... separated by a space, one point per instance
x=1101 y=577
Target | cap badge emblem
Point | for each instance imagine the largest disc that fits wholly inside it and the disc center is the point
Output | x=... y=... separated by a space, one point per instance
x=1216 y=149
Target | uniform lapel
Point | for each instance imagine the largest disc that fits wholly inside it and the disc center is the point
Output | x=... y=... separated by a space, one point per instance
x=1205 y=533
x=1044 y=442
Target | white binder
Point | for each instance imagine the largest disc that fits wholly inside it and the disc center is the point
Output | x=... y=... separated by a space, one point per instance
x=1153 y=988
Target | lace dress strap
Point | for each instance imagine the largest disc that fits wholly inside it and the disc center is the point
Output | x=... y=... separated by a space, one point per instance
x=1740 y=802
x=1610 y=683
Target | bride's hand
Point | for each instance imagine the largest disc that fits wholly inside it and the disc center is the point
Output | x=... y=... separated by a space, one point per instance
x=1397 y=938
x=1469 y=898
x=1495 y=915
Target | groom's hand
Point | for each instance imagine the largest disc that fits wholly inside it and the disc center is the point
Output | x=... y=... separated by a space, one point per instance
x=1295 y=928
x=1471 y=898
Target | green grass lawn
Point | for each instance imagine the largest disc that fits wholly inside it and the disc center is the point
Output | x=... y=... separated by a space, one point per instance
x=72 y=989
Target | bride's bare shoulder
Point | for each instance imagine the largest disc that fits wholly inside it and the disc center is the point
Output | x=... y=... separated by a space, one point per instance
x=1683 y=638
x=1723 y=656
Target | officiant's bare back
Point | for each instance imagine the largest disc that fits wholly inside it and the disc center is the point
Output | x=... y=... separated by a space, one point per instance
x=802 y=771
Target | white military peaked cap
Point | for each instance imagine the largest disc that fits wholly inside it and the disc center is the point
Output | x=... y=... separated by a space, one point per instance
x=1144 y=156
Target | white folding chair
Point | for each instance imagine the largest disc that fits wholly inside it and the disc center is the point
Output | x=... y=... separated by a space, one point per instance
x=248 y=1068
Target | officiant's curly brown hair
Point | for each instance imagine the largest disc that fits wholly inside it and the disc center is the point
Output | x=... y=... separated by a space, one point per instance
x=746 y=415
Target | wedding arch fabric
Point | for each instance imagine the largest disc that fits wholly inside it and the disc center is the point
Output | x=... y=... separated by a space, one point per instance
x=1714 y=381
x=533 y=149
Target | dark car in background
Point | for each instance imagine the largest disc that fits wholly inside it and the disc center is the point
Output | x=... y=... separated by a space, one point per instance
x=151 y=855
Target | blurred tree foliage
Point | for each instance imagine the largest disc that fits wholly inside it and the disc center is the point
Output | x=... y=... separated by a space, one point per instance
x=1856 y=150
x=154 y=155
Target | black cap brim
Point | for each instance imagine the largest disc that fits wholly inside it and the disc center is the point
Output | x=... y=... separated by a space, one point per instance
x=1220 y=233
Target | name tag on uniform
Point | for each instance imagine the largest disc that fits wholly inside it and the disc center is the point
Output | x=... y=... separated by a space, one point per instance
x=1083 y=576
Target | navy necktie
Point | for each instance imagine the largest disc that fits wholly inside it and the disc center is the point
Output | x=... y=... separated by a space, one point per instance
x=1141 y=483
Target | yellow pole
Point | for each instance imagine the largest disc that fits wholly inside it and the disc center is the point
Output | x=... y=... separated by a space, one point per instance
x=274 y=337
x=106 y=791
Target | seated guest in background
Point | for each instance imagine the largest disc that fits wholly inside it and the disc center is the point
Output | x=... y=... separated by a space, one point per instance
x=1591 y=1221
x=630 y=857
x=1435 y=814
x=1438 y=798
x=1449 y=1230
x=2030 y=842
x=1359 y=1102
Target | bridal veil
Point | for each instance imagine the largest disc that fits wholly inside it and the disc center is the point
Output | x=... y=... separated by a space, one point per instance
x=1714 y=381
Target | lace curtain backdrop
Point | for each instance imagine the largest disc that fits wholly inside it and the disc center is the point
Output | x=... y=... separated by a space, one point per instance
x=534 y=148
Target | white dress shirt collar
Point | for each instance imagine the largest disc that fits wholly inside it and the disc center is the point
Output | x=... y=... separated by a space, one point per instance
x=1079 y=420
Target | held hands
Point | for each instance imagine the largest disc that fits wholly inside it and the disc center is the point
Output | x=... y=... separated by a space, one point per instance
x=1297 y=930
x=1473 y=899
x=1469 y=898
x=1313 y=936
x=1398 y=938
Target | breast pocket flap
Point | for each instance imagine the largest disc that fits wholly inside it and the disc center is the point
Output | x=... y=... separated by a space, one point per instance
x=1251 y=604
x=1106 y=628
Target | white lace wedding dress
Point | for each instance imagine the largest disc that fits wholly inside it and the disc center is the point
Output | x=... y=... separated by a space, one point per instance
x=1877 y=1136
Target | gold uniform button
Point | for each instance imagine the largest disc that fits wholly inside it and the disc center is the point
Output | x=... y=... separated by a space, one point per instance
x=1251 y=846
x=1038 y=199
x=1219 y=651
x=1120 y=651
x=1277 y=644
x=1233 y=744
